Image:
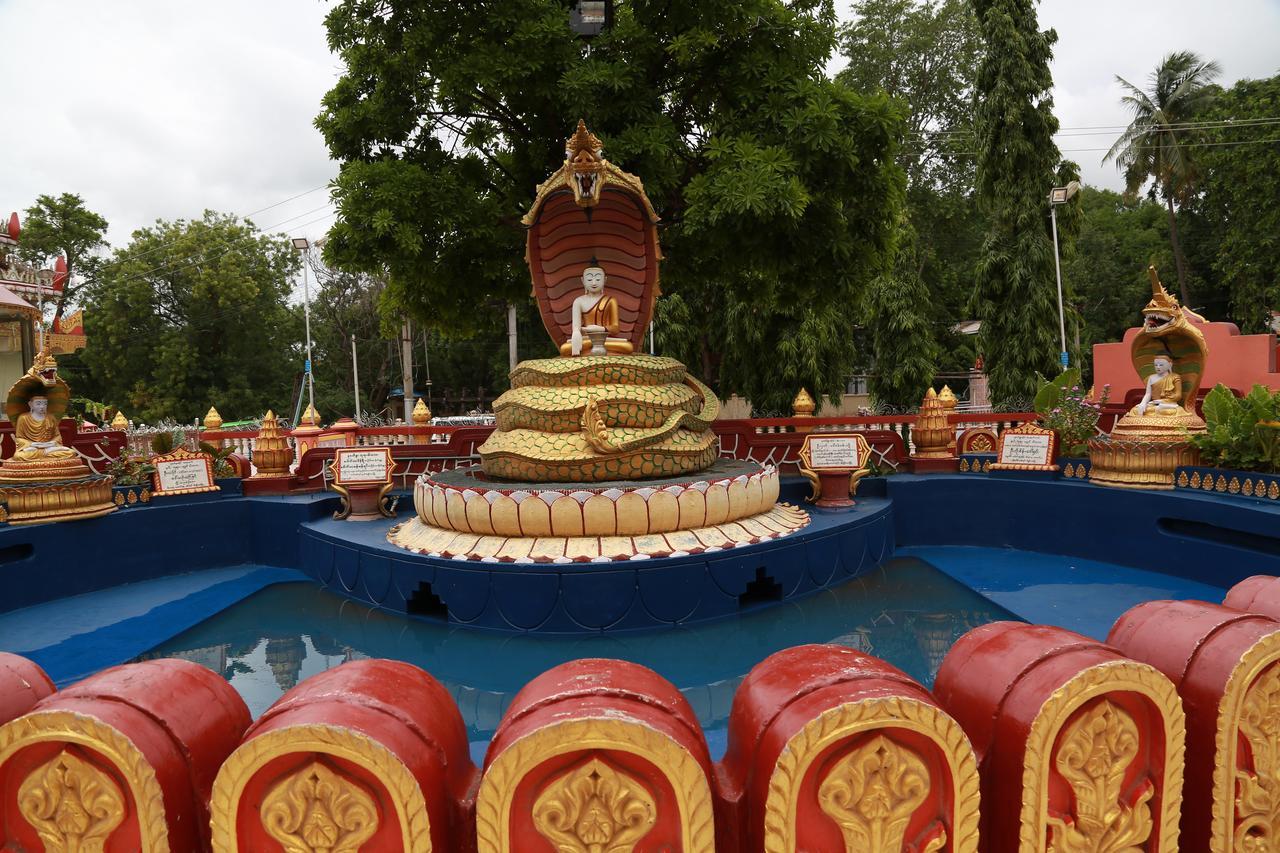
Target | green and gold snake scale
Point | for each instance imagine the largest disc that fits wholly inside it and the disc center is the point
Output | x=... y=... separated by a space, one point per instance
x=598 y=418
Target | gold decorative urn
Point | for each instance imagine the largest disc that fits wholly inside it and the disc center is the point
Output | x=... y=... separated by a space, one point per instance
x=1153 y=439
x=272 y=455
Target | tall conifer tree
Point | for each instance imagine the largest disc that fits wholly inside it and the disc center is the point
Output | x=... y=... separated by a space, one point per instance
x=903 y=340
x=1018 y=163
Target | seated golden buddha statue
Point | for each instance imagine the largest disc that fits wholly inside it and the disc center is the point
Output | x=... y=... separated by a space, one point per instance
x=35 y=434
x=595 y=315
x=1164 y=391
x=35 y=406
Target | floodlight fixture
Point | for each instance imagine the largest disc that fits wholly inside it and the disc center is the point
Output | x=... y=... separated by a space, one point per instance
x=589 y=18
x=1062 y=195
x=301 y=244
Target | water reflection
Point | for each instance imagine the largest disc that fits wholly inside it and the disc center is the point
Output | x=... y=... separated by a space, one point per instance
x=907 y=613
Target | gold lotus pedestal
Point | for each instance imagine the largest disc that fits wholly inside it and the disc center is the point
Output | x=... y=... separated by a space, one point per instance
x=1144 y=452
x=86 y=495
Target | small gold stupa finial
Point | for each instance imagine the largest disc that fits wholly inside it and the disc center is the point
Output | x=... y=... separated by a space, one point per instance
x=119 y=421
x=582 y=140
x=212 y=420
x=803 y=405
x=421 y=414
x=271 y=452
x=1161 y=299
x=948 y=398
x=310 y=417
x=930 y=434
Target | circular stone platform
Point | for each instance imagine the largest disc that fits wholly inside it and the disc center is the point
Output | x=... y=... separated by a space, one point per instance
x=468 y=501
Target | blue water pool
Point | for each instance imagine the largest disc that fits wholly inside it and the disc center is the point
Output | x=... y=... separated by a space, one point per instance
x=906 y=612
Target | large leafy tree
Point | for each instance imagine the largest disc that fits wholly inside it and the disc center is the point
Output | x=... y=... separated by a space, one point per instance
x=194 y=313
x=903 y=340
x=1018 y=163
x=1239 y=185
x=1106 y=270
x=1154 y=145
x=777 y=187
x=62 y=225
x=925 y=54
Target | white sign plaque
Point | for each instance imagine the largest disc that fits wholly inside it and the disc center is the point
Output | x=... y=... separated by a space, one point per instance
x=182 y=474
x=1026 y=449
x=363 y=466
x=837 y=451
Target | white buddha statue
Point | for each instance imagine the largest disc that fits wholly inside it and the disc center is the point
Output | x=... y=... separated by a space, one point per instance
x=595 y=316
x=1164 y=391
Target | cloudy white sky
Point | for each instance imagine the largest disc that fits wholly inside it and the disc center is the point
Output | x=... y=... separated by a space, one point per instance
x=162 y=108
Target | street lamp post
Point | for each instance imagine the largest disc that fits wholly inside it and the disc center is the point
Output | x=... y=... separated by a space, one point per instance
x=1057 y=196
x=303 y=245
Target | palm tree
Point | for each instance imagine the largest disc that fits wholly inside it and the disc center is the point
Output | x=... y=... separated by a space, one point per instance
x=1155 y=143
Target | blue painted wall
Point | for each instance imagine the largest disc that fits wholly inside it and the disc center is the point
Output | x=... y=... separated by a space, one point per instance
x=1203 y=537
x=1208 y=538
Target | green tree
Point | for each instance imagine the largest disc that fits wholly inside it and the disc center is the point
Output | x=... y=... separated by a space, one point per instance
x=64 y=226
x=1154 y=146
x=194 y=313
x=1018 y=163
x=1106 y=269
x=925 y=54
x=777 y=187
x=1238 y=188
x=902 y=337
x=346 y=305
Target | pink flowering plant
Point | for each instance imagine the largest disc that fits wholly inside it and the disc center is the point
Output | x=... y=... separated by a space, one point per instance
x=1064 y=406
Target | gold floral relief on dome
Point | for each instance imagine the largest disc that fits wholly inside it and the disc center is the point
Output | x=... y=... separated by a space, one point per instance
x=72 y=805
x=872 y=794
x=314 y=810
x=595 y=808
x=1096 y=752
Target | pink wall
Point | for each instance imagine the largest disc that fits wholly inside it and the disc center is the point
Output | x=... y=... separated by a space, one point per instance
x=1237 y=361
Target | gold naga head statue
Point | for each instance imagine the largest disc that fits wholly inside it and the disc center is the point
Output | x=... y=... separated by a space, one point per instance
x=1170 y=331
x=44 y=368
x=591 y=214
x=41 y=380
x=584 y=158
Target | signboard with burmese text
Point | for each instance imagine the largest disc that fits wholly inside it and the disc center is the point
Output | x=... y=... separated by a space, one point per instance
x=833 y=462
x=362 y=466
x=182 y=473
x=1027 y=448
x=835 y=452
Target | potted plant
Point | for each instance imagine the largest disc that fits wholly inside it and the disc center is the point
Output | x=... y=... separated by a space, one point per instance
x=131 y=480
x=1065 y=407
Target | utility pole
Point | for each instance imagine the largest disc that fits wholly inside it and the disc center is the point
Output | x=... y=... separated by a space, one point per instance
x=355 y=376
x=406 y=365
x=426 y=365
x=304 y=246
x=512 y=349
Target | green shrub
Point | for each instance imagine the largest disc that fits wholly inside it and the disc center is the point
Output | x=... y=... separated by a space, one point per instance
x=1243 y=432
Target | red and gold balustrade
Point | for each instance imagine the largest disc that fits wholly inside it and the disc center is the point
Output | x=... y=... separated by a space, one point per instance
x=1034 y=739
